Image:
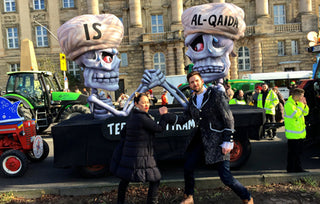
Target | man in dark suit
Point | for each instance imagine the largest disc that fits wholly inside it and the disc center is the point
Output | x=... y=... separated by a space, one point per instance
x=212 y=136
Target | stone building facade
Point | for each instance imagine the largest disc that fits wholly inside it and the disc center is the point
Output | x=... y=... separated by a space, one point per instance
x=275 y=38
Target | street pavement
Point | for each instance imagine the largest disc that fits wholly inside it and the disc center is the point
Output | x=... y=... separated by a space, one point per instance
x=266 y=165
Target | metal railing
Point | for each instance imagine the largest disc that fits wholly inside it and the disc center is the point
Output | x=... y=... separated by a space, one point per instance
x=290 y=27
x=165 y=36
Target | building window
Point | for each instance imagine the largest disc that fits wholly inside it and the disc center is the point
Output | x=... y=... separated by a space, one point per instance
x=124 y=60
x=290 y=69
x=68 y=3
x=279 y=14
x=14 y=67
x=9 y=5
x=41 y=36
x=281 y=48
x=12 y=38
x=38 y=4
x=294 y=47
x=74 y=69
x=243 y=59
x=159 y=62
x=157 y=24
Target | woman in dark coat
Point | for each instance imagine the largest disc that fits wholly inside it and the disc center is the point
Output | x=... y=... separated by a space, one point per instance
x=137 y=163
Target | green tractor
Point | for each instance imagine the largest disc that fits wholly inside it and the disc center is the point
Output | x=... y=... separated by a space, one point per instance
x=42 y=98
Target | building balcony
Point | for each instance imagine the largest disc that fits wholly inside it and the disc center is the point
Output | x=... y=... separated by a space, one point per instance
x=162 y=37
x=290 y=27
x=250 y=30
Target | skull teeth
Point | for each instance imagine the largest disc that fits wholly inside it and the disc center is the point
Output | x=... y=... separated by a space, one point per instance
x=209 y=69
x=106 y=78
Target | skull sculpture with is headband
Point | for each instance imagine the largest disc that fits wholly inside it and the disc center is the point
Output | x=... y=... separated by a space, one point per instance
x=92 y=41
x=210 y=31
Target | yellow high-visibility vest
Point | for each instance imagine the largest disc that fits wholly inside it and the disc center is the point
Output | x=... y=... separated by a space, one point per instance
x=294 y=112
x=236 y=101
x=270 y=102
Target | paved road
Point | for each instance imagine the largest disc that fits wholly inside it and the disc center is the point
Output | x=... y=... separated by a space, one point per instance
x=268 y=157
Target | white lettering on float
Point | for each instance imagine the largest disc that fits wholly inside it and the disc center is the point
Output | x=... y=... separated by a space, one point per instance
x=115 y=128
x=187 y=126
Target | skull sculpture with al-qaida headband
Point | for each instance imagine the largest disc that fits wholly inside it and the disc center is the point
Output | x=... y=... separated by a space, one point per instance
x=210 y=31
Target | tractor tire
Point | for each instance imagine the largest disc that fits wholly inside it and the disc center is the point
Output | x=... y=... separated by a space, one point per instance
x=13 y=163
x=73 y=111
x=240 y=153
x=44 y=155
x=24 y=112
x=93 y=171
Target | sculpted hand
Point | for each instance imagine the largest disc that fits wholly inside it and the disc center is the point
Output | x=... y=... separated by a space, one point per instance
x=163 y=110
x=152 y=78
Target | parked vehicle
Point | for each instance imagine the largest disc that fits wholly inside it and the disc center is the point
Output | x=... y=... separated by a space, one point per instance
x=43 y=98
x=312 y=94
x=244 y=84
x=18 y=141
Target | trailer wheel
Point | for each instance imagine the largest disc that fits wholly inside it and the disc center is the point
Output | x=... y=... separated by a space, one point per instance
x=13 y=163
x=74 y=110
x=93 y=171
x=44 y=155
x=240 y=153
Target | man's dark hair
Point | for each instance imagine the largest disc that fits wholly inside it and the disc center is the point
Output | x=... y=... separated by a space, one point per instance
x=297 y=92
x=193 y=73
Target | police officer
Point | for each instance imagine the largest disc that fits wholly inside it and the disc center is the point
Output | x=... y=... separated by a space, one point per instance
x=294 y=111
x=268 y=100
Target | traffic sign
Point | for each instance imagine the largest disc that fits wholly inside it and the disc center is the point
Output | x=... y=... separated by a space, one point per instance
x=63 y=62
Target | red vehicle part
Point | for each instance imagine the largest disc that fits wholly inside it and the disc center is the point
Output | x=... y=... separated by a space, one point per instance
x=15 y=142
x=17 y=136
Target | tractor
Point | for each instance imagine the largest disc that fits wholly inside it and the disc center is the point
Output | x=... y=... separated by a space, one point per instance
x=42 y=98
x=18 y=141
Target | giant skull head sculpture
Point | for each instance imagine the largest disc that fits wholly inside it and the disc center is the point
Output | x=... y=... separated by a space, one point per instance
x=210 y=31
x=92 y=41
x=101 y=69
x=209 y=54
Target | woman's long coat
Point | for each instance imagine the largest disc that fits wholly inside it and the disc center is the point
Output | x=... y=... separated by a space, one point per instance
x=137 y=162
x=214 y=121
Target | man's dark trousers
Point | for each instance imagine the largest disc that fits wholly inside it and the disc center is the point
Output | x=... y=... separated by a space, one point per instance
x=294 y=152
x=271 y=119
x=193 y=157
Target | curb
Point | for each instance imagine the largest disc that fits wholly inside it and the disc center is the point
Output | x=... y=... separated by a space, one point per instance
x=201 y=183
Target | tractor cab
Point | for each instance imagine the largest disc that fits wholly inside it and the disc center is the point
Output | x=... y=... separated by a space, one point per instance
x=42 y=97
x=35 y=86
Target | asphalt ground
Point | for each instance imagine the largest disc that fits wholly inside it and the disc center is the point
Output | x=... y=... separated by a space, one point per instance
x=78 y=186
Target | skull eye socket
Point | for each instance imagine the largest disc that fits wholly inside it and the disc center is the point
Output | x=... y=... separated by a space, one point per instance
x=197 y=45
x=107 y=57
x=91 y=55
